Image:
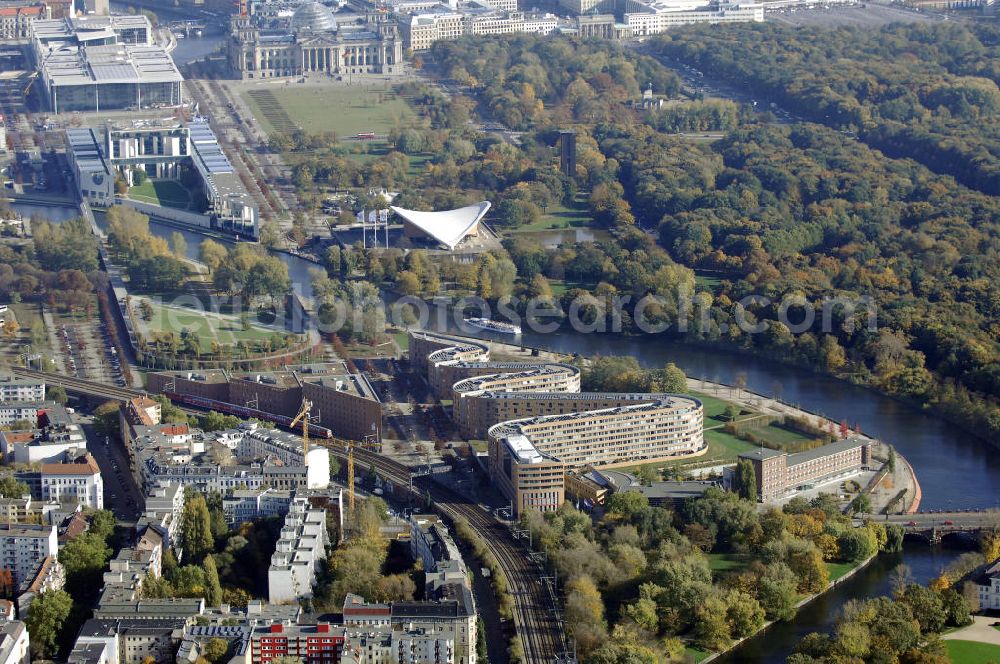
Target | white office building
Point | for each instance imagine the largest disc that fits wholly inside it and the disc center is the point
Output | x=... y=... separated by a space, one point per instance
x=650 y=18
x=420 y=31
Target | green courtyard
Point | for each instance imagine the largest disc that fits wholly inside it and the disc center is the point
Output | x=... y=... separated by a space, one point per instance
x=168 y=193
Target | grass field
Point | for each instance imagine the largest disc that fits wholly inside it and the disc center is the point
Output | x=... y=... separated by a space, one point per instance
x=402 y=340
x=838 y=570
x=168 y=193
x=707 y=283
x=727 y=562
x=972 y=652
x=224 y=330
x=724 y=447
x=559 y=217
x=347 y=111
x=560 y=287
x=696 y=654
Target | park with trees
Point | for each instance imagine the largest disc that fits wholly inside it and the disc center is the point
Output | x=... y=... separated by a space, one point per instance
x=651 y=584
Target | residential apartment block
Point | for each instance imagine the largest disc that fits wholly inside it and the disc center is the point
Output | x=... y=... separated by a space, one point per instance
x=23 y=547
x=76 y=481
x=50 y=575
x=163 y=512
x=14 y=643
x=127 y=640
x=182 y=455
x=48 y=444
x=13 y=388
x=251 y=504
x=298 y=553
x=538 y=424
x=16 y=17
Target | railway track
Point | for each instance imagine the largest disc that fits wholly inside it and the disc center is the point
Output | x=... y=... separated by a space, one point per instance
x=80 y=385
x=535 y=617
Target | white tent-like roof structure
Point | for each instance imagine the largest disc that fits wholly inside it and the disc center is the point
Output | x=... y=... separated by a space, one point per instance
x=449 y=227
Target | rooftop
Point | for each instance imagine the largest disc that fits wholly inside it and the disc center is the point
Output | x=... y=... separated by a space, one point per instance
x=449 y=227
x=109 y=64
x=521 y=447
x=826 y=450
x=86 y=466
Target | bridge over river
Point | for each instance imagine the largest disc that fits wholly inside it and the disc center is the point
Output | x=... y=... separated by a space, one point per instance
x=935 y=524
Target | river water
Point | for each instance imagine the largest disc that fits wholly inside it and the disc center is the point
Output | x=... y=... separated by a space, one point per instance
x=955 y=470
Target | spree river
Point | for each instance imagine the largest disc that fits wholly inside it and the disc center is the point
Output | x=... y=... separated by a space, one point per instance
x=955 y=470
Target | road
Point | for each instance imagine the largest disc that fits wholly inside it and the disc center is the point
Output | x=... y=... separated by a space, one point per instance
x=121 y=495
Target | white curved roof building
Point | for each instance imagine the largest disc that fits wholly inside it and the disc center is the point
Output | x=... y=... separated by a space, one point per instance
x=449 y=227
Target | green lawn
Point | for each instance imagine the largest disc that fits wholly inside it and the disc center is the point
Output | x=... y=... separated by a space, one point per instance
x=707 y=283
x=225 y=330
x=402 y=340
x=714 y=407
x=347 y=111
x=559 y=288
x=168 y=193
x=727 y=562
x=972 y=652
x=724 y=446
x=696 y=654
x=782 y=436
x=559 y=216
x=838 y=570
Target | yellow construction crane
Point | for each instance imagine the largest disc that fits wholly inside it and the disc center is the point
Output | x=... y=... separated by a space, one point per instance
x=350 y=477
x=304 y=416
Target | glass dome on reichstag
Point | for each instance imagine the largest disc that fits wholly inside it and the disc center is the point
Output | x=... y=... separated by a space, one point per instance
x=313 y=17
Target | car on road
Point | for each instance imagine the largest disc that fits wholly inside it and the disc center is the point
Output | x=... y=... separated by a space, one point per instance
x=947 y=522
x=911 y=523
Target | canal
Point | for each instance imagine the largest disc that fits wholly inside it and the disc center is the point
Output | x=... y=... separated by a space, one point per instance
x=955 y=470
